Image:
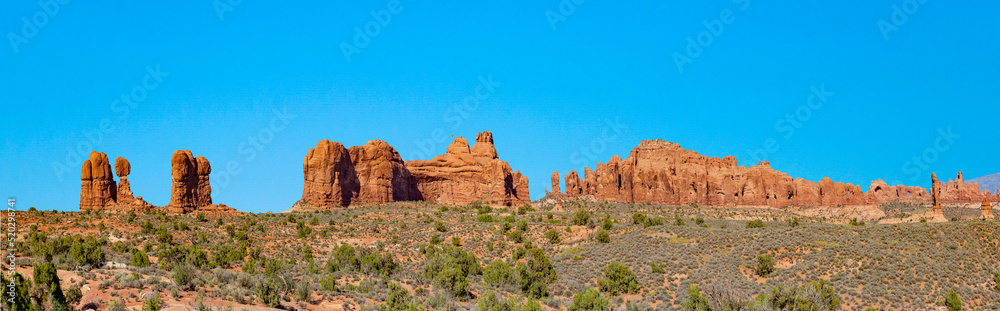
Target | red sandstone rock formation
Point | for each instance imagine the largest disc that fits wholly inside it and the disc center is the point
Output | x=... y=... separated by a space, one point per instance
x=375 y=173
x=463 y=175
x=661 y=172
x=337 y=176
x=191 y=189
x=122 y=169
x=986 y=209
x=97 y=186
x=555 y=183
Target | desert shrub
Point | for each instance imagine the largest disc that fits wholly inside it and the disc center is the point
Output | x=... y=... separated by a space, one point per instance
x=483 y=218
x=46 y=279
x=328 y=282
x=87 y=251
x=695 y=301
x=456 y=241
x=699 y=221
x=140 y=259
x=448 y=269
x=607 y=224
x=267 y=291
x=678 y=221
x=618 y=279
x=815 y=295
x=657 y=267
x=532 y=305
x=553 y=236
x=440 y=227
x=581 y=217
x=301 y=230
x=147 y=227
x=638 y=218
x=480 y=208
x=182 y=275
x=490 y=302
x=73 y=295
x=652 y=221
x=303 y=289
x=756 y=223
x=952 y=301
x=534 y=277
x=499 y=274
x=996 y=281
x=314 y=221
x=522 y=225
x=398 y=299
x=589 y=300
x=201 y=217
x=516 y=236
x=152 y=303
x=855 y=222
x=19 y=298
x=793 y=222
x=524 y=209
x=602 y=236
x=765 y=265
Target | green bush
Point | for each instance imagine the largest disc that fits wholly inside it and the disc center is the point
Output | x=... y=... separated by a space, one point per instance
x=140 y=259
x=589 y=300
x=481 y=218
x=499 y=274
x=607 y=224
x=652 y=221
x=398 y=299
x=618 y=279
x=439 y=226
x=524 y=209
x=152 y=303
x=183 y=274
x=695 y=301
x=581 y=217
x=678 y=221
x=267 y=292
x=602 y=236
x=765 y=265
x=516 y=236
x=328 y=282
x=449 y=267
x=522 y=225
x=534 y=277
x=756 y=223
x=20 y=298
x=657 y=267
x=480 y=208
x=638 y=218
x=952 y=301
x=553 y=236
x=793 y=222
x=996 y=281
x=815 y=295
x=45 y=277
x=490 y=302
x=856 y=222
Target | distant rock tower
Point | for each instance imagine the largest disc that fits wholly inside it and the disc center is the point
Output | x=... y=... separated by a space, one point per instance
x=938 y=215
x=987 y=209
x=555 y=183
x=191 y=188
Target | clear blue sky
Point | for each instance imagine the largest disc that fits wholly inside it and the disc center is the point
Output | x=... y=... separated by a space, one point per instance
x=554 y=89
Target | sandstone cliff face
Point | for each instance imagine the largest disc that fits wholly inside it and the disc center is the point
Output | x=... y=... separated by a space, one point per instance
x=661 y=172
x=97 y=186
x=191 y=188
x=375 y=173
x=463 y=175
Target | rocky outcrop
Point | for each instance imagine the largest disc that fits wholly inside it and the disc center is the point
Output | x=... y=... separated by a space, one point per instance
x=375 y=173
x=986 y=209
x=337 y=176
x=660 y=172
x=555 y=183
x=191 y=189
x=463 y=175
x=122 y=169
x=97 y=185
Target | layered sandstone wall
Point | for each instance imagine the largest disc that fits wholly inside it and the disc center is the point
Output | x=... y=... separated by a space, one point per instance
x=375 y=173
x=660 y=172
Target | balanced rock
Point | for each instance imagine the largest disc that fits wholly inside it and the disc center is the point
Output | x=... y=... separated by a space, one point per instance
x=122 y=169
